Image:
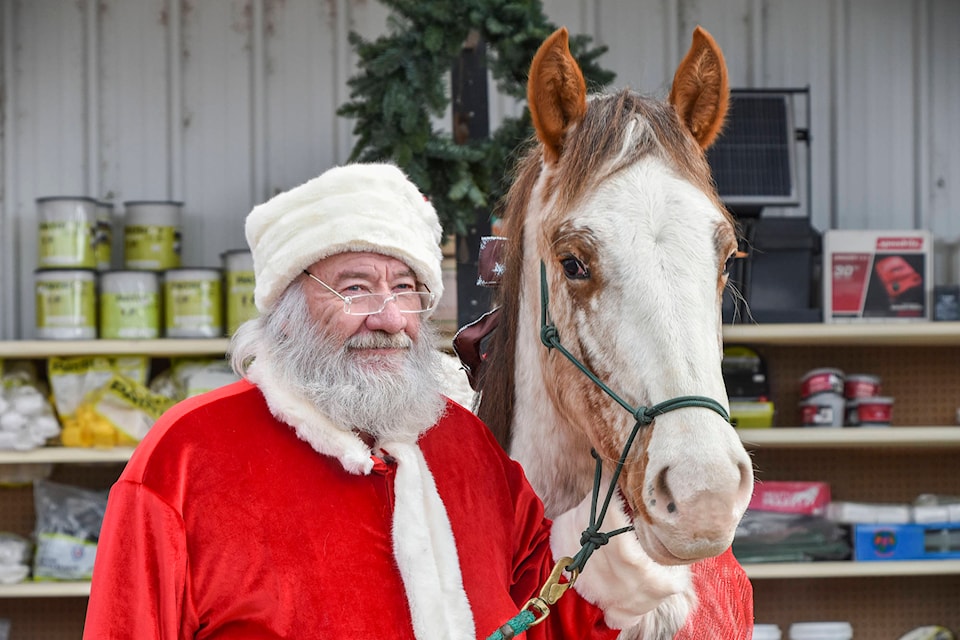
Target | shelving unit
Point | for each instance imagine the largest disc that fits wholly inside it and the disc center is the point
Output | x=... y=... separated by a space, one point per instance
x=55 y=610
x=919 y=365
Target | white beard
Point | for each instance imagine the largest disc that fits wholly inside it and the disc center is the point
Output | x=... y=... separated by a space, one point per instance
x=393 y=397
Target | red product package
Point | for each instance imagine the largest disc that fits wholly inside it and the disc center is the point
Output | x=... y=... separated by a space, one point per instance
x=807 y=498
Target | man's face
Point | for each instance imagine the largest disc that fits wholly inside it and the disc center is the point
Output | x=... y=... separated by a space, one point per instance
x=377 y=373
x=356 y=273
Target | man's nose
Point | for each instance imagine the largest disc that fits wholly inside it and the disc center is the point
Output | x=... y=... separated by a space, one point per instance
x=389 y=320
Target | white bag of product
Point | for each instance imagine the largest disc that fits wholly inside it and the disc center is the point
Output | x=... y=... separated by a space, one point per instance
x=67 y=530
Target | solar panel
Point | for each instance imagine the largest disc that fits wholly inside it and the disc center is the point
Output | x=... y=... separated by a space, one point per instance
x=754 y=159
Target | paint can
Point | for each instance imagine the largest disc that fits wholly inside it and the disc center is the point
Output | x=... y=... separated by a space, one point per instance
x=193 y=303
x=66 y=235
x=861 y=385
x=821 y=631
x=238 y=276
x=822 y=403
x=66 y=304
x=129 y=305
x=874 y=412
x=104 y=236
x=822 y=411
x=152 y=234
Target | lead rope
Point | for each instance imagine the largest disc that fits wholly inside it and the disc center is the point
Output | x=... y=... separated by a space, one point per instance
x=537 y=609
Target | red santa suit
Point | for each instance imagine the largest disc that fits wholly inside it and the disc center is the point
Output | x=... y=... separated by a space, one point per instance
x=226 y=523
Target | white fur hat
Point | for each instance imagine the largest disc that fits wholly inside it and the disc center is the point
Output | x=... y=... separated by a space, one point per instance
x=357 y=207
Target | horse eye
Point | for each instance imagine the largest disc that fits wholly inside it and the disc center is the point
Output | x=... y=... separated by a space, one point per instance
x=574 y=269
x=728 y=265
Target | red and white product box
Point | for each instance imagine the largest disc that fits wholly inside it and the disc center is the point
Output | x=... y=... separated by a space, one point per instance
x=877 y=276
x=807 y=498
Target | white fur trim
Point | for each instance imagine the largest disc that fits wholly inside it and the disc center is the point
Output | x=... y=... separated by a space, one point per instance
x=423 y=542
x=358 y=207
x=619 y=577
x=426 y=551
x=310 y=425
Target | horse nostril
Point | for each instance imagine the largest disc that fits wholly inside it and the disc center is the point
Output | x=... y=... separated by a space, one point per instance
x=663 y=490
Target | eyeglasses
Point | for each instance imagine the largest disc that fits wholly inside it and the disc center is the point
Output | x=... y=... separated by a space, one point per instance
x=368 y=304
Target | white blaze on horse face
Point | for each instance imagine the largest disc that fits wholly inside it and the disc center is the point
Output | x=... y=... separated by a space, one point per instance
x=651 y=330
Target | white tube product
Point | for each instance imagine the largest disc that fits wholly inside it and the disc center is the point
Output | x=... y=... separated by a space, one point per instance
x=103 y=245
x=66 y=237
x=66 y=304
x=238 y=276
x=193 y=303
x=766 y=632
x=821 y=631
x=152 y=234
x=129 y=305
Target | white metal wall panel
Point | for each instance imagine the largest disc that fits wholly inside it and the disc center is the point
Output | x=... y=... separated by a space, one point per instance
x=223 y=103
x=876 y=136
x=643 y=41
x=134 y=96
x=217 y=160
x=942 y=189
x=304 y=90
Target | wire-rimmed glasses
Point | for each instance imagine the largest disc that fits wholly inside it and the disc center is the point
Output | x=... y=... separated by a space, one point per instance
x=368 y=304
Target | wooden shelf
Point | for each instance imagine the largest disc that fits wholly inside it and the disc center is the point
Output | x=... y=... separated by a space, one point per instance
x=71 y=455
x=160 y=348
x=45 y=590
x=892 y=568
x=819 y=334
x=850 y=437
x=773 y=438
x=861 y=334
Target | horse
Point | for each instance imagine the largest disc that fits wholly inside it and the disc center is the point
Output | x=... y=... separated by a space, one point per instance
x=614 y=231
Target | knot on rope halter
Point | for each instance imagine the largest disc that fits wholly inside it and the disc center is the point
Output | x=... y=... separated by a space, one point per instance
x=594 y=538
x=549 y=336
x=644 y=415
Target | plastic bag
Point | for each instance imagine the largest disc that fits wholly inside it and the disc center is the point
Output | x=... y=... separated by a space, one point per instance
x=68 y=528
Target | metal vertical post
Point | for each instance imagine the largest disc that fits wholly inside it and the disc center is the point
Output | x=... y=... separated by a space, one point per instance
x=471 y=121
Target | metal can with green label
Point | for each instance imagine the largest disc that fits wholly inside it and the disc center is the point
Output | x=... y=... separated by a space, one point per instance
x=66 y=304
x=238 y=276
x=152 y=234
x=193 y=303
x=66 y=234
x=129 y=305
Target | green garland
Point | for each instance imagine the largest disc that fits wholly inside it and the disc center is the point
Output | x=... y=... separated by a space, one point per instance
x=400 y=88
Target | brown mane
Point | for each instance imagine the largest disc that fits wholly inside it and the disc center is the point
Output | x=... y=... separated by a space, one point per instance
x=592 y=151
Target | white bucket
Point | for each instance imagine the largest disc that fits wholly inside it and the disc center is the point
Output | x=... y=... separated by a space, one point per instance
x=66 y=237
x=193 y=303
x=238 y=276
x=152 y=235
x=821 y=631
x=129 y=305
x=104 y=236
x=66 y=304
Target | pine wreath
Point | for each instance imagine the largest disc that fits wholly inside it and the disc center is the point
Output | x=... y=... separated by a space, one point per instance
x=401 y=88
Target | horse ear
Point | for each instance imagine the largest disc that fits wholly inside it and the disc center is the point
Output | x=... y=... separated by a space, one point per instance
x=556 y=92
x=700 y=91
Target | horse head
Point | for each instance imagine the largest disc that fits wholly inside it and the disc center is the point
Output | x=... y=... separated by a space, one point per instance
x=615 y=205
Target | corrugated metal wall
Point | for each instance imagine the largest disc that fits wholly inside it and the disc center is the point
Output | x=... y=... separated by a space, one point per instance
x=221 y=103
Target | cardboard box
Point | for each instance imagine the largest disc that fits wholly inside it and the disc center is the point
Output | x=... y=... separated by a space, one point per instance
x=807 y=498
x=879 y=276
x=906 y=541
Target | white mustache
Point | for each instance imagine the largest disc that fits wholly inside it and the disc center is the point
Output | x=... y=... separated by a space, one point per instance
x=379 y=340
